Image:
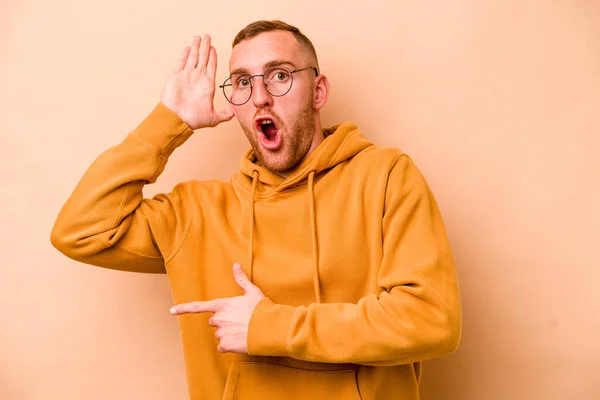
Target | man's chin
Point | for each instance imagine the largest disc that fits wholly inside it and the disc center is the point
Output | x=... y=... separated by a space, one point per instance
x=274 y=163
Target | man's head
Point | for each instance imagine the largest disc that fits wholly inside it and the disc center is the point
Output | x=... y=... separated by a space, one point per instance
x=281 y=122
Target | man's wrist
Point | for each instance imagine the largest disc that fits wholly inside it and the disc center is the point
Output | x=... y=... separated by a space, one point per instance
x=268 y=329
x=164 y=130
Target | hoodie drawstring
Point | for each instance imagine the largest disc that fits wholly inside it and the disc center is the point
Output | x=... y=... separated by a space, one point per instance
x=315 y=243
x=251 y=244
x=313 y=228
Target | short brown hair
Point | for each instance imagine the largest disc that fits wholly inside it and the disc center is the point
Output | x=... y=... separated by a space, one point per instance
x=257 y=27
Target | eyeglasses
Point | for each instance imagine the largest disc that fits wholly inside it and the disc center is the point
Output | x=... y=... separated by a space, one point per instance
x=277 y=80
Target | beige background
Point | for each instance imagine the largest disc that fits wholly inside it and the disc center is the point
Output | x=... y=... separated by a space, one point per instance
x=497 y=101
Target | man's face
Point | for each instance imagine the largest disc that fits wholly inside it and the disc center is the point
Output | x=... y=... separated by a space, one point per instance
x=283 y=143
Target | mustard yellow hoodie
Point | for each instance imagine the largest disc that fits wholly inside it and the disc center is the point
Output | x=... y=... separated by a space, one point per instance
x=350 y=251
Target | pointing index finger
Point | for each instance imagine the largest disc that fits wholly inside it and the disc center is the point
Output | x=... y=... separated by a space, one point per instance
x=197 y=307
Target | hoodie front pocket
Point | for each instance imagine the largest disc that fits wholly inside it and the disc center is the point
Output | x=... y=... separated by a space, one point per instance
x=262 y=381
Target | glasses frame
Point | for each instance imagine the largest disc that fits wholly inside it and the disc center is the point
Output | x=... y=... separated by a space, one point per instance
x=251 y=79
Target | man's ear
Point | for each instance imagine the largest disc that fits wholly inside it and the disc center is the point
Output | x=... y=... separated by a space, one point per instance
x=321 y=92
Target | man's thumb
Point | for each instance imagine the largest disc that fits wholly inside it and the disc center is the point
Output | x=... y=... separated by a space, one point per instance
x=242 y=279
x=224 y=115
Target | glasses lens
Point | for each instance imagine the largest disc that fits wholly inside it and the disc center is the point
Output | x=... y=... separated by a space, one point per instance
x=237 y=89
x=278 y=81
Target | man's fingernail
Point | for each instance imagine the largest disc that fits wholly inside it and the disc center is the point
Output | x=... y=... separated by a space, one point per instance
x=172 y=310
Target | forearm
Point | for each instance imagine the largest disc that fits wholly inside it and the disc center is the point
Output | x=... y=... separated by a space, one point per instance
x=406 y=325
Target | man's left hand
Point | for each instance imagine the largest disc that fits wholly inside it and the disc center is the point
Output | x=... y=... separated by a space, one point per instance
x=231 y=315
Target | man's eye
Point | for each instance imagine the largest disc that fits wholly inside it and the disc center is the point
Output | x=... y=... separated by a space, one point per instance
x=281 y=76
x=243 y=82
x=278 y=75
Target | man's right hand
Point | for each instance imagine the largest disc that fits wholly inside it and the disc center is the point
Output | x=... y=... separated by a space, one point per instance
x=190 y=90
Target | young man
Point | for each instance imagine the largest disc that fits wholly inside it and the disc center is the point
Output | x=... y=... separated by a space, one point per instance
x=343 y=280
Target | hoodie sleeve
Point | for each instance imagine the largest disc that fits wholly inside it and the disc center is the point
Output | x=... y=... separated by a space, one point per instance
x=416 y=316
x=107 y=222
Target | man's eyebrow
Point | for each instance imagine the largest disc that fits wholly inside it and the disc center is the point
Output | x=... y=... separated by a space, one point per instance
x=274 y=63
x=278 y=63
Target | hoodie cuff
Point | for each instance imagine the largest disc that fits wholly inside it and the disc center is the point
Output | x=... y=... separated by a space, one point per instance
x=268 y=329
x=164 y=130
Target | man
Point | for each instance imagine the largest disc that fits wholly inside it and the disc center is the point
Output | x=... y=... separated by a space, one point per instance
x=343 y=280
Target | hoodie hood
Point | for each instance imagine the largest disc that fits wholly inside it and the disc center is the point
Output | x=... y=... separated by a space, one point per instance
x=341 y=143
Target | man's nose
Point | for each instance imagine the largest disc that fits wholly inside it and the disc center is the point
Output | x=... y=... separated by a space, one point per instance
x=260 y=95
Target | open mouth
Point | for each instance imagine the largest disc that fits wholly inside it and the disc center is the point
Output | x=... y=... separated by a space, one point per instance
x=271 y=137
x=268 y=127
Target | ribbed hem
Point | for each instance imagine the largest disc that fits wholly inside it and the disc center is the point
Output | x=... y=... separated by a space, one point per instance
x=268 y=329
x=164 y=130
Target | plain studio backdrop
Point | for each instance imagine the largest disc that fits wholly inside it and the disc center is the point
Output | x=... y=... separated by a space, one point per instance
x=497 y=101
